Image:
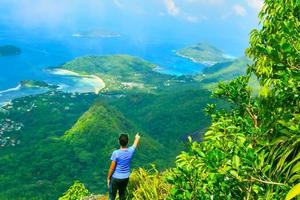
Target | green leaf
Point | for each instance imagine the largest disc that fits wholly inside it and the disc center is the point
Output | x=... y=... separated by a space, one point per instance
x=294 y=178
x=296 y=168
x=295 y=191
x=236 y=161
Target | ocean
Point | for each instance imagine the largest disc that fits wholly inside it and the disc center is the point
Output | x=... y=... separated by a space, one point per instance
x=41 y=51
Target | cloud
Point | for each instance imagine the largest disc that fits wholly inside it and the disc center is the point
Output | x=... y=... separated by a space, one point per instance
x=192 y=19
x=175 y=11
x=172 y=7
x=239 y=10
x=51 y=13
x=118 y=3
x=256 y=4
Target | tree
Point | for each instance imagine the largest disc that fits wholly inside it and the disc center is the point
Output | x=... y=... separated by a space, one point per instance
x=253 y=150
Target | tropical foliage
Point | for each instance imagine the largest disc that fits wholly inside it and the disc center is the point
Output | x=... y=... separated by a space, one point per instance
x=75 y=192
x=148 y=184
x=252 y=152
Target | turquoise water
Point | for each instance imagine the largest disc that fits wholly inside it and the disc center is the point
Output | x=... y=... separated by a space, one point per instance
x=40 y=51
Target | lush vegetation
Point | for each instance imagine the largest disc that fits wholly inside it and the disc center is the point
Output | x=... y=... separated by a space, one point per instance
x=252 y=152
x=66 y=137
x=76 y=191
x=40 y=166
x=203 y=53
x=120 y=72
x=37 y=84
x=144 y=184
x=9 y=50
x=223 y=72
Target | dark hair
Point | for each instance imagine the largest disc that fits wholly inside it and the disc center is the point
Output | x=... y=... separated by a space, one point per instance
x=123 y=140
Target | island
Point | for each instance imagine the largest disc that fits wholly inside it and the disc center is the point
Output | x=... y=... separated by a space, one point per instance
x=96 y=34
x=204 y=53
x=119 y=72
x=36 y=84
x=9 y=50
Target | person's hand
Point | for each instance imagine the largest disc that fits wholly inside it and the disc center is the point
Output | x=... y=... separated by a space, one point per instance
x=137 y=136
x=108 y=183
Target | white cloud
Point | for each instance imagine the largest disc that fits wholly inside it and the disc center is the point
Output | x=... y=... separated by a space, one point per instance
x=172 y=7
x=256 y=4
x=52 y=13
x=239 y=10
x=174 y=10
x=118 y=3
x=192 y=19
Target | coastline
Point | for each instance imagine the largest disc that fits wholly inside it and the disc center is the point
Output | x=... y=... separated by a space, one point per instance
x=3 y=104
x=95 y=81
x=207 y=63
x=19 y=86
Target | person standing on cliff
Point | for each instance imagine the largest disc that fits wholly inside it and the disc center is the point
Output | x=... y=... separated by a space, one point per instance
x=119 y=171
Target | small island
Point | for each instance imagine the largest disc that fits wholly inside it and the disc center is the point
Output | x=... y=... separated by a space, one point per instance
x=9 y=50
x=96 y=34
x=204 y=53
x=37 y=84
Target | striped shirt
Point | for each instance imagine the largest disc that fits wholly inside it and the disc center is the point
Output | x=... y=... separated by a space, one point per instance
x=122 y=157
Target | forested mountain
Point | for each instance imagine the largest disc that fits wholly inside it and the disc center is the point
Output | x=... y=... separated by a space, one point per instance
x=59 y=137
x=250 y=151
x=244 y=146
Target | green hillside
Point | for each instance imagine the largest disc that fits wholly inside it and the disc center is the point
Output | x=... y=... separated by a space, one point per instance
x=119 y=72
x=176 y=112
x=94 y=137
x=52 y=155
x=58 y=137
x=36 y=163
x=203 y=53
x=225 y=71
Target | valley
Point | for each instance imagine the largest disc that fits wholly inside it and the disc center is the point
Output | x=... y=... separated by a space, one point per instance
x=59 y=137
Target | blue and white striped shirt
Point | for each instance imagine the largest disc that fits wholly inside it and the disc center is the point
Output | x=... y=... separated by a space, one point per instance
x=122 y=157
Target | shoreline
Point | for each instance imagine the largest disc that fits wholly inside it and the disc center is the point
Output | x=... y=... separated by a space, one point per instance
x=206 y=63
x=96 y=82
x=3 y=104
x=18 y=87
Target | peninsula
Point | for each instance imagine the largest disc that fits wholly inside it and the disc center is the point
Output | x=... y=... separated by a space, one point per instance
x=203 y=53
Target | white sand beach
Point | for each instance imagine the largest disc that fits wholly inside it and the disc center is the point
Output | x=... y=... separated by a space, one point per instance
x=208 y=63
x=92 y=80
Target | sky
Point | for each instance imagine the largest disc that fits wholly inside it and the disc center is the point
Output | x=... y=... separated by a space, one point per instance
x=211 y=20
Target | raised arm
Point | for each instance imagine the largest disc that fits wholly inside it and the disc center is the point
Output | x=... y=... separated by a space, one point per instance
x=136 y=140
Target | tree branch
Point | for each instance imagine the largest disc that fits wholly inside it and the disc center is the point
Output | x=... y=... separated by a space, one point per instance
x=253 y=117
x=266 y=182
